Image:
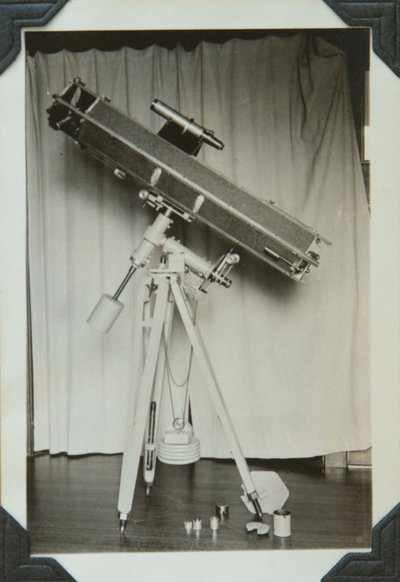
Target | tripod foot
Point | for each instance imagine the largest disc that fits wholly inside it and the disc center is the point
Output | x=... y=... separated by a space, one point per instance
x=123 y=518
x=257 y=507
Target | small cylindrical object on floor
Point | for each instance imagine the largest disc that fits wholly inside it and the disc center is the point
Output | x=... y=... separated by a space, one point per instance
x=188 y=524
x=105 y=313
x=282 y=523
x=222 y=510
x=214 y=522
x=197 y=524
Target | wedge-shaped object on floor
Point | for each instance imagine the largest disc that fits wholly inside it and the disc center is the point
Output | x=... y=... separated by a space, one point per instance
x=272 y=491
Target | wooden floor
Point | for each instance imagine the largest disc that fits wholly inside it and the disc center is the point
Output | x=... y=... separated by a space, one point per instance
x=72 y=507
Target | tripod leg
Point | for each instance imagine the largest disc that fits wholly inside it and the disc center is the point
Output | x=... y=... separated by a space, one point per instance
x=150 y=452
x=135 y=436
x=215 y=394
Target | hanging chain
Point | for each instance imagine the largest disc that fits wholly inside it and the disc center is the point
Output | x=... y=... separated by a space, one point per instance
x=170 y=376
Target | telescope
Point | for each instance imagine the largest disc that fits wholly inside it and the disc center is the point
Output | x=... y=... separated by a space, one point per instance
x=167 y=176
x=166 y=170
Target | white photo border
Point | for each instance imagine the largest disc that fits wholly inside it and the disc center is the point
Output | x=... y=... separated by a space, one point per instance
x=384 y=149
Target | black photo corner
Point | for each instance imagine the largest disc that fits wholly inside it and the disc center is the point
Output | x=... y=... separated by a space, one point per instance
x=167 y=164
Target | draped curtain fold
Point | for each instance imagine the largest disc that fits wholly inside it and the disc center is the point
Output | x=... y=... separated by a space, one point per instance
x=292 y=359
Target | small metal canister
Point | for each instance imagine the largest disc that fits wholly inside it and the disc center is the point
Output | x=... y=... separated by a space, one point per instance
x=282 y=523
x=222 y=510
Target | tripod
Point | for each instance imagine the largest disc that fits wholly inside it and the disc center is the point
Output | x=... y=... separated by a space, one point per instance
x=162 y=291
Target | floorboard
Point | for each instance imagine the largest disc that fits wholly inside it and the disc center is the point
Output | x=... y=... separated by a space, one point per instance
x=72 y=507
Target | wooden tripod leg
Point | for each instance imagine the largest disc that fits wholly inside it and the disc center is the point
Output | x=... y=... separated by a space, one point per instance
x=215 y=393
x=136 y=433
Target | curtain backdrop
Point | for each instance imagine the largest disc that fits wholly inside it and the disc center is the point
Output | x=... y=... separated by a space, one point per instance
x=292 y=359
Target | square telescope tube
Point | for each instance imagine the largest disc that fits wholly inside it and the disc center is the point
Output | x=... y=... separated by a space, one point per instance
x=135 y=153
